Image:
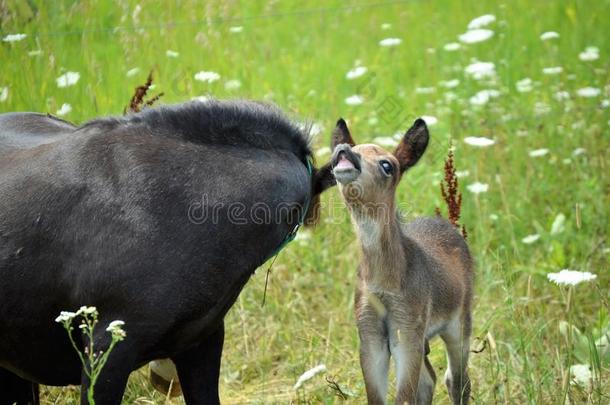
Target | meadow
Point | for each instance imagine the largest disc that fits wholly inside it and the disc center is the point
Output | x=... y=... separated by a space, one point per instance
x=523 y=97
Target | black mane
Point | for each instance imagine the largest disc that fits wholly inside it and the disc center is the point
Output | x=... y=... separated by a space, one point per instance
x=236 y=123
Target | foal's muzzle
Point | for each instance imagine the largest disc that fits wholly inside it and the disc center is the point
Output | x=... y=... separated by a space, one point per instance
x=346 y=164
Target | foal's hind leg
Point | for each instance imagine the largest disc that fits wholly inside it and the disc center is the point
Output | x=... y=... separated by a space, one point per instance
x=457 y=342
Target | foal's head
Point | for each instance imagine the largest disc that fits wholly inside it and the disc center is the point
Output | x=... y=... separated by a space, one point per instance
x=367 y=173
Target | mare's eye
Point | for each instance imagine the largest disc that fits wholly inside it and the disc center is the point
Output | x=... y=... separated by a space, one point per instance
x=387 y=167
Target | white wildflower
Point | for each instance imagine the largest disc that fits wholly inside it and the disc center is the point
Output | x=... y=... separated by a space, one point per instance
x=462 y=173
x=385 y=141
x=65 y=316
x=65 y=109
x=354 y=100
x=309 y=374
x=529 y=239
x=477 y=188
x=474 y=36
x=389 y=42
x=450 y=84
x=452 y=46
x=429 y=120
x=479 y=141
x=524 y=85
x=236 y=29
x=481 y=21
x=116 y=329
x=450 y=96
x=386 y=26
x=356 y=72
x=605 y=103
x=571 y=277
x=133 y=72
x=68 y=79
x=589 y=54
x=541 y=108
x=538 y=152
x=323 y=151
x=480 y=70
x=85 y=310
x=483 y=96
x=581 y=375
x=303 y=237
x=135 y=15
x=579 y=151
x=554 y=70
x=549 y=35
x=558 y=225
x=3 y=94
x=561 y=95
x=588 y=92
x=14 y=37
x=201 y=99
x=315 y=129
x=115 y=325
x=171 y=54
x=232 y=84
x=207 y=76
x=424 y=90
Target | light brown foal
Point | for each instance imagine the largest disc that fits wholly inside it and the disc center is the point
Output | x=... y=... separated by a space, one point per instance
x=415 y=279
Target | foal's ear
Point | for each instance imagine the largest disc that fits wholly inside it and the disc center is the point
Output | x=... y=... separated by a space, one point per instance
x=413 y=145
x=341 y=135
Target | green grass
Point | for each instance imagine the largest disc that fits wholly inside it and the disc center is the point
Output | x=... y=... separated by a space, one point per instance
x=299 y=60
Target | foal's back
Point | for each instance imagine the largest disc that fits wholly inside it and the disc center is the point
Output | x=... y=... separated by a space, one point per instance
x=448 y=264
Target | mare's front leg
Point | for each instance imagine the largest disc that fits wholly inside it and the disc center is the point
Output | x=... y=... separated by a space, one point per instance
x=199 y=369
x=374 y=352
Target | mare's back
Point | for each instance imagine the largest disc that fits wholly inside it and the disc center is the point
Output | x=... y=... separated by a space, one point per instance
x=25 y=130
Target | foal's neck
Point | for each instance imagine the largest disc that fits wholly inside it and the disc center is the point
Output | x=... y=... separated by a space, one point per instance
x=381 y=240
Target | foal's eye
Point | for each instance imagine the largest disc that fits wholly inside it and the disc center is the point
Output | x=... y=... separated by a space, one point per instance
x=387 y=167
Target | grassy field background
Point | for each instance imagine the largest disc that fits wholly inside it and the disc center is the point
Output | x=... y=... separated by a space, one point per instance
x=297 y=54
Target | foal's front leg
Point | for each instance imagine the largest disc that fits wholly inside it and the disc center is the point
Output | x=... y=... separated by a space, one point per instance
x=407 y=344
x=374 y=355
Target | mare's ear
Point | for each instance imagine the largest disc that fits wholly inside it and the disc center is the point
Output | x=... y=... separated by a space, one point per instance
x=412 y=145
x=323 y=178
x=341 y=135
